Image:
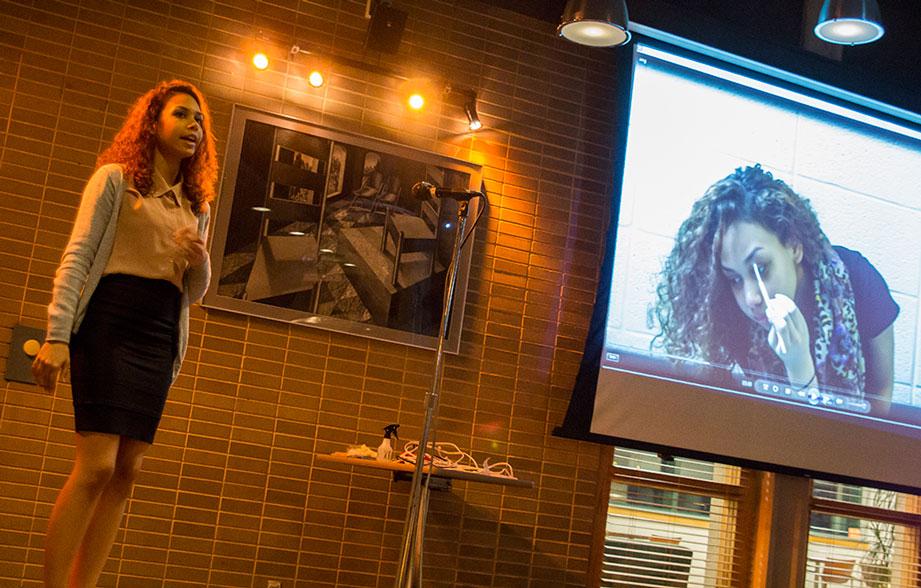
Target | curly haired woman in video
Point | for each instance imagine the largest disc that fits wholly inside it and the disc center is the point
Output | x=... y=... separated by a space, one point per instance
x=753 y=283
x=135 y=261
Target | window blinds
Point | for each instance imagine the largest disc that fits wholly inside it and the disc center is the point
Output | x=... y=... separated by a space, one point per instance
x=863 y=536
x=675 y=522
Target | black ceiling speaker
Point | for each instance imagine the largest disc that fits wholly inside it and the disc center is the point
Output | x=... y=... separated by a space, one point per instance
x=385 y=28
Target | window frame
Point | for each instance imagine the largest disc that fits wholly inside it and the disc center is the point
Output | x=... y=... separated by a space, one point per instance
x=901 y=514
x=744 y=494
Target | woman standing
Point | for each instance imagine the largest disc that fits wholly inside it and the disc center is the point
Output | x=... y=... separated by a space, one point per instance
x=119 y=315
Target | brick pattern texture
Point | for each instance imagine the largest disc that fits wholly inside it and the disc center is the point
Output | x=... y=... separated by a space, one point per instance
x=231 y=493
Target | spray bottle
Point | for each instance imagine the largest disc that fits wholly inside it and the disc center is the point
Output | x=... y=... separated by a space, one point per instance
x=385 y=449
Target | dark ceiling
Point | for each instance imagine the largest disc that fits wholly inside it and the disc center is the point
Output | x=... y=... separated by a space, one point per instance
x=777 y=25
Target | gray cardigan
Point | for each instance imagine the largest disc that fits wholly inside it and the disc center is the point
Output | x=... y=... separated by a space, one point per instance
x=87 y=254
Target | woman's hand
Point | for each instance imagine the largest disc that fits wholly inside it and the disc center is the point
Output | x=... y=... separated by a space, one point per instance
x=191 y=246
x=789 y=338
x=52 y=358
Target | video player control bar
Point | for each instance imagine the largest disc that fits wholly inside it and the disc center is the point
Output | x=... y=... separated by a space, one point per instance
x=812 y=396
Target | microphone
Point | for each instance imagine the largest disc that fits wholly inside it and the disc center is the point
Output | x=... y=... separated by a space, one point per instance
x=427 y=191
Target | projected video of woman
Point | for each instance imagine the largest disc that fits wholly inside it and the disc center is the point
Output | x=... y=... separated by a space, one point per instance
x=735 y=323
x=753 y=282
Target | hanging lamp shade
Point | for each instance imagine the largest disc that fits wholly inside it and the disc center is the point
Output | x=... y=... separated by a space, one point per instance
x=597 y=23
x=849 y=22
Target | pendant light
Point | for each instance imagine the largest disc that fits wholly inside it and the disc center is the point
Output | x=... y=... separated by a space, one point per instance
x=596 y=23
x=849 y=22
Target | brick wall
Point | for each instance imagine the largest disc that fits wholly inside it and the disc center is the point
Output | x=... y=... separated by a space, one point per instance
x=231 y=493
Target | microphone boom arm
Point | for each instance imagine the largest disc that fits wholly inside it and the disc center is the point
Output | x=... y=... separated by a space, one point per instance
x=428 y=191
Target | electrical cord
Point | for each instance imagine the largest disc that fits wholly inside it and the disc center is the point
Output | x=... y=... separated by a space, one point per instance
x=480 y=211
x=449 y=456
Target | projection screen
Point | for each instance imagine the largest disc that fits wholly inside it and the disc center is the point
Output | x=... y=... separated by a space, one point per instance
x=760 y=300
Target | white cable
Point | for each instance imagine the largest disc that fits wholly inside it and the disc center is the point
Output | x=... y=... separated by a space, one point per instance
x=449 y=456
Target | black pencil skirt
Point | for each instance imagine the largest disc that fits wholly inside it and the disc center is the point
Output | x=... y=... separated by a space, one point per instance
x=122 y=357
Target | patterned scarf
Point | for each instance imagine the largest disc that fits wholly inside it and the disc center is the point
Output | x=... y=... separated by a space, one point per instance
x=838 y=357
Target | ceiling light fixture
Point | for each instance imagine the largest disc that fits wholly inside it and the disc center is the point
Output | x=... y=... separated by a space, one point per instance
x=466 y=97
x=849 y=22
x=258 y=48
x=315 y=78
x=473 y=119
x=416 y=101
x=596 y=23
x=260 y=61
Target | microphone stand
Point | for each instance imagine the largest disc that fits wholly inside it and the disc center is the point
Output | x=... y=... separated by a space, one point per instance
x=410 y=572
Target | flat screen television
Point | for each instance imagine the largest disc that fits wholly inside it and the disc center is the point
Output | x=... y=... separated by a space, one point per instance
x=759 y=300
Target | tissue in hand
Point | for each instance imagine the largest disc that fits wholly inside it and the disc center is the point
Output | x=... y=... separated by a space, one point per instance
x=777 y=309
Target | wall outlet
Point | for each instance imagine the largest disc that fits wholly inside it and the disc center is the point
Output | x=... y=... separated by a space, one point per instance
x=273 y=584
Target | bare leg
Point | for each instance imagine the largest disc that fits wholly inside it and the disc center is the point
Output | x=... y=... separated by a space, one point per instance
x=97 y=542
x=93 y=466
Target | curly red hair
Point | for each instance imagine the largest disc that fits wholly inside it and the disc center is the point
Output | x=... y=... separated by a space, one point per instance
x=134 y=144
